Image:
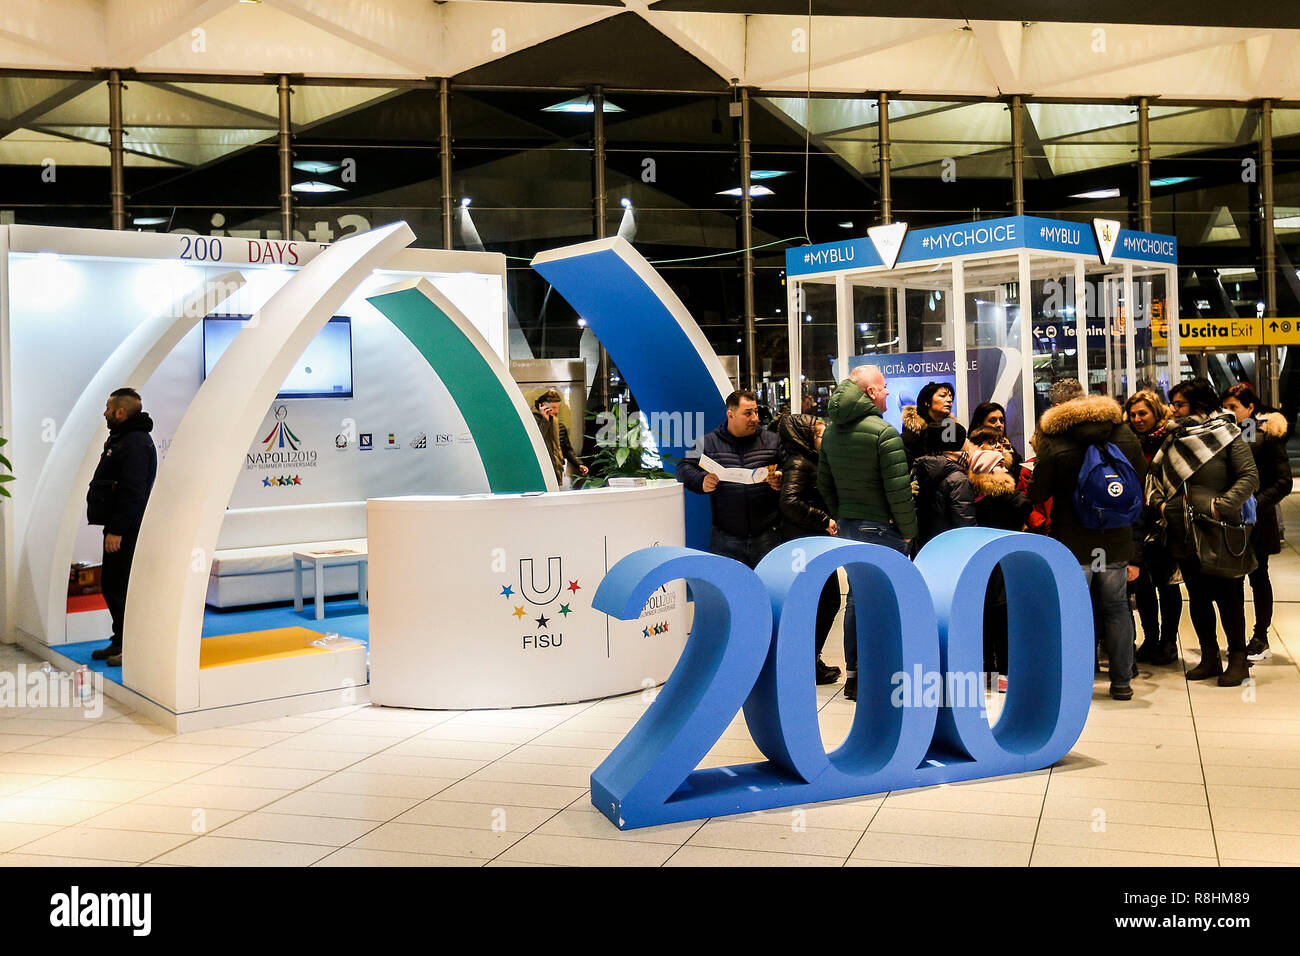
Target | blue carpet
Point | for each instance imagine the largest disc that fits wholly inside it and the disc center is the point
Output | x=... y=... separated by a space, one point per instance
x=347 y=618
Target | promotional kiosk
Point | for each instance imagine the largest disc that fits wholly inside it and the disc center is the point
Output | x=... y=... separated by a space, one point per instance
x=349 y=407
x=1014 y=302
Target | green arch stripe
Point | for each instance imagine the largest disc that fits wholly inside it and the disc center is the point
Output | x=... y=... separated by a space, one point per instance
x=503 y=440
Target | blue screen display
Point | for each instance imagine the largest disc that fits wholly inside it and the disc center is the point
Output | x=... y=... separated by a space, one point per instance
x=323 y=371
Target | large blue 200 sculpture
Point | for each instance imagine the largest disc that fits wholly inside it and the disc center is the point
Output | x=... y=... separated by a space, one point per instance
x=920 y=712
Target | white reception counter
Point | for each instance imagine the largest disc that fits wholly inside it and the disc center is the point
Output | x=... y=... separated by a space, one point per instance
x=480 y=601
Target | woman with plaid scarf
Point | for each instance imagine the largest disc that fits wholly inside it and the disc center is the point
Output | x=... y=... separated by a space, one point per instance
x=1205 y=469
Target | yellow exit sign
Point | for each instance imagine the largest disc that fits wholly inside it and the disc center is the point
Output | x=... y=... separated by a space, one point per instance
x=1226 y=334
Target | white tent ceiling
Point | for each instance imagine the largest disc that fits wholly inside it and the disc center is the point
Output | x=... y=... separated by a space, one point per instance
x=176 y=120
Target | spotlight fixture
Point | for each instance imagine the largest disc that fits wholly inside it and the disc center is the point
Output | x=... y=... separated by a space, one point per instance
x=625 y=203
x=581 y=104
x=464 y=203
x=316 y=187
x=753 y=191
x=316 y=166
x=1111 y=193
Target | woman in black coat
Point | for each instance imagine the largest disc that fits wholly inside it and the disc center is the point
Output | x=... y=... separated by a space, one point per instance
x=1267 y=439
x=921 y=421
x=803 y=513
x=1204 y=470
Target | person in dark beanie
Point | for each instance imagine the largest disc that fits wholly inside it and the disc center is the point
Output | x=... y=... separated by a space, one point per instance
x=117 y=497
x=1067 y=432
x=921 y=421
x=803 y=512
x=1266 y=435
x=944 y=499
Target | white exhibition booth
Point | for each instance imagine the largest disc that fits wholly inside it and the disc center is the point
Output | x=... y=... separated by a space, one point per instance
x=350 y=398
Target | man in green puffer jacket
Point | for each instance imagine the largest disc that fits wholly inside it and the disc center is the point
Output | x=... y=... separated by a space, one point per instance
x=864 y=479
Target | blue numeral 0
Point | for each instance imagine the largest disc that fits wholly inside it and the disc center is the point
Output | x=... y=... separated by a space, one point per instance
x=896 y=632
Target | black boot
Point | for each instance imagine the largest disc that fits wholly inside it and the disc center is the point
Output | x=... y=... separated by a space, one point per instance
x=1145 y=653
x=104 y=653
x=1238 y=670
x=826 y=673
x=1210 y=665
x=1165 y=653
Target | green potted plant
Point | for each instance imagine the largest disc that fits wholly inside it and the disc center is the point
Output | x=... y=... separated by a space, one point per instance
x=621 y=455
x=4 y=463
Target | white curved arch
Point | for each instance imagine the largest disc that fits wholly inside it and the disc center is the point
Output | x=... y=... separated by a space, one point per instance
x=59 y=501
x=164 y=607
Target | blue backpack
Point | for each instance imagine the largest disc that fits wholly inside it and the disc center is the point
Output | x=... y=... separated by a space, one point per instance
x=1109 y=494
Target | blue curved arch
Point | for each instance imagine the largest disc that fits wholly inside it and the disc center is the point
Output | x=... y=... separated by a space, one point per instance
x=661 y=352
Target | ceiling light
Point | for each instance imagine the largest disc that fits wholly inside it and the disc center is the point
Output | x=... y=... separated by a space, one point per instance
x=767 y=173
x=753 y=191
x=148 y=221
x=1111 y=193
x=626 y=203
x=316 y=187
x=845 y=225
x=1170 y=181
x=464 y=203
x=581 y=104
x=316 y=166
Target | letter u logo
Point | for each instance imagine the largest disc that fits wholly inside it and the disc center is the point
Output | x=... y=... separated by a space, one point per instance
x=528 y=581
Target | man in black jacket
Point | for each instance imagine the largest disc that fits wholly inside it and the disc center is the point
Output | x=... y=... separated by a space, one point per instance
x=117 y=498
x=746 y=517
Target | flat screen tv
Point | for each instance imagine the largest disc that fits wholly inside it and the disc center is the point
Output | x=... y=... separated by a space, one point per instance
x=323 y=371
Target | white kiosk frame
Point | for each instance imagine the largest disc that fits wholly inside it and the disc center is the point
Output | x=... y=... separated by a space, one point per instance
x=162 y=678
x=1001 y=258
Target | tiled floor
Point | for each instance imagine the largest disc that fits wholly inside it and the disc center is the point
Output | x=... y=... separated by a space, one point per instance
x=1182 y=775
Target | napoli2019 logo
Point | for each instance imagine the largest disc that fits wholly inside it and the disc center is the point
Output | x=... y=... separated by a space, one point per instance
x=751 y=647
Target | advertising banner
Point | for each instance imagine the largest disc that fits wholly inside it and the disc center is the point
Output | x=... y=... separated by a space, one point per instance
x=992 y=375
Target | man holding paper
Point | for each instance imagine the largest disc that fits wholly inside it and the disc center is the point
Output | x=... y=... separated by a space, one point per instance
x=736 y=465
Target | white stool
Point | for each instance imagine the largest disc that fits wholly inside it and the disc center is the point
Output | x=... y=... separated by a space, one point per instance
x=320 y=560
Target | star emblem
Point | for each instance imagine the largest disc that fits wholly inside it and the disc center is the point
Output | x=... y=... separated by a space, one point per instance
x=543 y=621
x=507 y=590
x=573 y=586
x=518 y=612
x=564 y=609
x=266 y=482
x=297 y=480
x=645 y=632
x=665 y=627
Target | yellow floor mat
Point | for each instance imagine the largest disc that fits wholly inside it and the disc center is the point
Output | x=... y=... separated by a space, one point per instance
x=252 y=646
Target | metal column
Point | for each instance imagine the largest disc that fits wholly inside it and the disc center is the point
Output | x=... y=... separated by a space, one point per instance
x=894 y=314
x=1268 y=352
x=882 y=135
x=286 y=161
x=598 y=210
x=1144 y=164
x=749 y=376
x=117 y=174
x=444 y=159
x=1017 y=157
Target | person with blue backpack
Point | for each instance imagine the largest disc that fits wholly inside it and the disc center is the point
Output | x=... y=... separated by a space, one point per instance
x=1091 y=466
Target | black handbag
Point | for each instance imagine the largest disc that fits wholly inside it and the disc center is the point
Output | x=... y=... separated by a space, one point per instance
x=1222 y=549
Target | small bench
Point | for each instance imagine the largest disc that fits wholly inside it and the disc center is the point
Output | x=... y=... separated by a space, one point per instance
x=254 y=563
